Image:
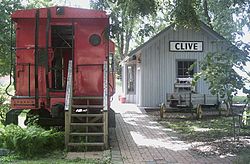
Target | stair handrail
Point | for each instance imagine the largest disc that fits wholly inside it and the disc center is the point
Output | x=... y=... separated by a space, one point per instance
x=105 y=103
x=69 y=88
x=68 y=102
x=105 y=86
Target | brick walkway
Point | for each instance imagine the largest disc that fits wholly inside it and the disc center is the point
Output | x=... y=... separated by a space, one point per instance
x=139 y=139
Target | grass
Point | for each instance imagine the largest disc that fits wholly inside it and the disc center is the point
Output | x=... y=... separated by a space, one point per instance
x=239 y=99
x=55 y=158
x=208 y=129
x=215 y=132
x=244 y=157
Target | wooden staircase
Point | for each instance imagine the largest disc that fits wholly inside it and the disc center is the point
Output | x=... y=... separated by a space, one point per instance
x=86 y=121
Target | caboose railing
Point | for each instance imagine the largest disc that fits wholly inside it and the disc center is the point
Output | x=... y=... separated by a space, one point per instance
x=68 y=102
x=105 y=102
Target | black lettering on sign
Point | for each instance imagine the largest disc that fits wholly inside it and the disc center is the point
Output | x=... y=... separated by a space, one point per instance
x=195 y=46
x=176 y=46
x=190 y=45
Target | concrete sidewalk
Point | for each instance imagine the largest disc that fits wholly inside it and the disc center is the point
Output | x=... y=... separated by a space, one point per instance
x=139 y=139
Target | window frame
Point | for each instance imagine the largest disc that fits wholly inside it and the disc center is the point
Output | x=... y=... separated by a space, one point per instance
x=134 y=78
x=185 y=60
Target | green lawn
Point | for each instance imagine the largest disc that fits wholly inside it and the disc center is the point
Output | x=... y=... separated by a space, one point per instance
x=213 y=131
x=239 y=99
x=207 y=129
x=54 y=158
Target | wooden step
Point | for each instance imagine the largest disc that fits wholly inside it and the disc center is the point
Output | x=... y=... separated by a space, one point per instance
x=87 y=106
x=87 y=144
x=86 y=115
x=86 y=134
x=88 y=97
x=86 y=124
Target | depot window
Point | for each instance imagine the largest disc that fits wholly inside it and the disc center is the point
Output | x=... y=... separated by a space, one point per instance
x=131 y=78
x=185 y=68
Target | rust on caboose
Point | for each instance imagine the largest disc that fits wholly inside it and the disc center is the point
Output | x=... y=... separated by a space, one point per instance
x=46 y=40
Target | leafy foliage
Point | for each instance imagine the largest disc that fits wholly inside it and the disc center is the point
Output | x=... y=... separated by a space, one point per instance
x=134 y=7
x=217 y=69
x=184 y=14
x=232 y=13
x=9 y=6
x=38 y=3
x=5 y=33
x=31 y=141
x=4 y=105
x=130 y=24
x=126 y=18
x=4 y=108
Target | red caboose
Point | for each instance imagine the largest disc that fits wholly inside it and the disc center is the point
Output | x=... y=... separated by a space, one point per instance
x=46 y=40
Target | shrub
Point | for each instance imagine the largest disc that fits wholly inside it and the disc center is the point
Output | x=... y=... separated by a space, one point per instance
x=1 y=135
x=31 y=141
x=4 y=104
x=4 y=108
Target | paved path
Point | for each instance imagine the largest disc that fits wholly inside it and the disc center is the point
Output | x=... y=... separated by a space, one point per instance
x=139 y=139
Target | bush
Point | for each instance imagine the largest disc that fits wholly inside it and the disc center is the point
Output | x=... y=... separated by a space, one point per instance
x=4 y=104
x=1 y=136
x=4 y=108
x=31 y=141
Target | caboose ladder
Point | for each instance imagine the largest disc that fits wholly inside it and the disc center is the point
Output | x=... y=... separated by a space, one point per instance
x=86 y=119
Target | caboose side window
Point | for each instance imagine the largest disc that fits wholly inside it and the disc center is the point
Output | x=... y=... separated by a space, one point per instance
x=61 y=41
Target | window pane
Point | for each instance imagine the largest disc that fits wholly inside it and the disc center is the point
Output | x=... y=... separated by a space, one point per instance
x=183 y=69
x=186 y=64
x=180 y=72
x=180 y=64
x=131 y=78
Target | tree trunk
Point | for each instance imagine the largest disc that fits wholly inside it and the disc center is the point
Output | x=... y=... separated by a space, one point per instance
x=205 y=7
x=128 y=36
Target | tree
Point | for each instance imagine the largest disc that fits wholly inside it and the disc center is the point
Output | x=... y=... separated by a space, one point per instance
x=5 y=33
x=9 y=6
x=130 y=15
x=218 y=69
x=233 y=13
x=227 y=17
x=38 y=3
x=125 y=16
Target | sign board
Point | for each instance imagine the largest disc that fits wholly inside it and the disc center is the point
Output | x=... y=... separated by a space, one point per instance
x=186 y=46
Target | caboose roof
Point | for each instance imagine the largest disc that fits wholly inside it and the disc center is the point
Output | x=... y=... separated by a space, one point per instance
x=69 y=12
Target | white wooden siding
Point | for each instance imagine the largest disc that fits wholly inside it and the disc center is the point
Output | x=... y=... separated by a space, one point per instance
x=158 y=64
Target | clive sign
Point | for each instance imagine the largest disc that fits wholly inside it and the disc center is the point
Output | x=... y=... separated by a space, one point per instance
x=186 y=46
